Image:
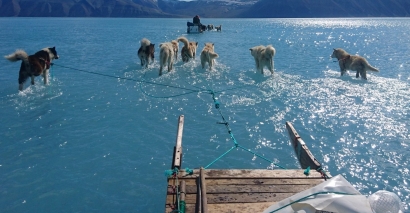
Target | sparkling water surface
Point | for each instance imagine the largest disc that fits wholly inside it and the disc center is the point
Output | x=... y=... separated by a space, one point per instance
x=99 y=137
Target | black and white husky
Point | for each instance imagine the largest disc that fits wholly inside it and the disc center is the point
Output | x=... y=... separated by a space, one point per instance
x=33 y=65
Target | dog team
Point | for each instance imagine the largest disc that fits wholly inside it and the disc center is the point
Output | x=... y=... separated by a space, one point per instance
x=40 y=62
x=169 y=50
x=168 y=53
x=263 y=56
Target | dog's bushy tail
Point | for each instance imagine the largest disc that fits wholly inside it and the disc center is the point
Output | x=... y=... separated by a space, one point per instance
x=212 y=55
x=145 y=42
x=270 y=51
x=371 y=68
x=184 y=40
x=18 y=55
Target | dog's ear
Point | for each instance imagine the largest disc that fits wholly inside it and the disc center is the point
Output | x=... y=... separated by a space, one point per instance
x=196 y=43
x=334 y=49
x=213 y=44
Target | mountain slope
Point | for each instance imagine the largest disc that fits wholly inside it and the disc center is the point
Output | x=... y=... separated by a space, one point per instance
x=328 y=8
x=206 y=8
x=81 y=8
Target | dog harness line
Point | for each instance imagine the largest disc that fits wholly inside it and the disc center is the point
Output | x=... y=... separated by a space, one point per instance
x=47 y=63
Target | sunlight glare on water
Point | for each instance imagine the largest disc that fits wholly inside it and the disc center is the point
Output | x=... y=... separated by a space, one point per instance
x=101 y=141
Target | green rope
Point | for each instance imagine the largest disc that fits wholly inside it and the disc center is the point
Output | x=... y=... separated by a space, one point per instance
x=217 y=106
x=153 y=83
x=262 y=157
x=323 y=172
x=190 y=91
x=220 y=157
x=303 y=198
x=182 y=206
x=129 y=79
x=307 y=171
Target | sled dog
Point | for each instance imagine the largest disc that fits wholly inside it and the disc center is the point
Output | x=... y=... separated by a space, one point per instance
x=208 y=55
x=188 y=50
x=352 y=62
x=263 y=57
x=166 y=56
x=33 y=65
x=146 y=52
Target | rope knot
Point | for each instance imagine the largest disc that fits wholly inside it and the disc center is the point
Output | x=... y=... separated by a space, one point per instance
x=307 y=171
x=189 y=171
x=216 y=102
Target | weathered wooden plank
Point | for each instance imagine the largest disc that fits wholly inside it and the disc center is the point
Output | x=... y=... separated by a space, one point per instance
x=251 y=173
x=229 y=207
x=204 y=203
x=231 y=189
x=305 y=157
x=183 y=190
x=235 y=198
x=177 y=157
x=255 y=181
x=198 y=195
x=239 y=207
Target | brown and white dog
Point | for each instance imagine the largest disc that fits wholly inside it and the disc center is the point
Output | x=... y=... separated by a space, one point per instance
x=208 y=55
x=352 y=62
x=188 y=50
x=146 y=52
x=263 y=57
x=33 y=65
x=167 y=55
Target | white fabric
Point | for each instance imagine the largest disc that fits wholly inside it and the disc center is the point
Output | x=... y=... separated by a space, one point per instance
x=329 y=203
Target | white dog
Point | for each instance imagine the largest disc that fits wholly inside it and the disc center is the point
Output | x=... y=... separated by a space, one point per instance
x=263 y=57
x=208 y=55
x=352 y=62
x=166 y=56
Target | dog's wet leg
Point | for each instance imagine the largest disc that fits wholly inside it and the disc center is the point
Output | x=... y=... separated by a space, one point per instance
x=22 y=78
x=363 y=74
x=45 y=76
x=170 y=65
x=342 y=72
